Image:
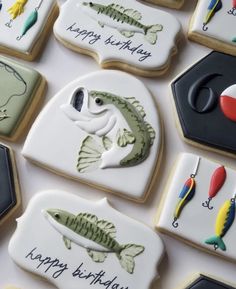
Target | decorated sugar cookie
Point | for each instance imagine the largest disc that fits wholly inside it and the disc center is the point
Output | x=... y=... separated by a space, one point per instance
x=214 y=229
x=213 y=25
x=106 y=132
x=168 y=3
x=9 y=188
x=24 y=25
x=130 y=36
x=204 y=98
x=22 y=92
x=80 y=243
x=200 y=281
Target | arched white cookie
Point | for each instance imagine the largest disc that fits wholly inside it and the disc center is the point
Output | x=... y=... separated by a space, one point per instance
x=115 y=146
x=42 y=245
x=134 y=37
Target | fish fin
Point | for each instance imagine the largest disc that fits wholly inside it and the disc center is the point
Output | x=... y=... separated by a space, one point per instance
x=127 y=254
x=151 y=33
x=90 y=155
x=125 y=137
x=67 y=242
x=117 y=7
x=101 y=24
x=89 y=217
x=107 y=143
x=217 y=241
x=127 y=34
x=137 y=105
x=133 y=13
x=151 y=132
x=96 y=256
x=108 y=227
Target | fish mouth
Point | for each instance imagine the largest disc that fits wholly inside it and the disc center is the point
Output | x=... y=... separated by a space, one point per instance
x=77 y=99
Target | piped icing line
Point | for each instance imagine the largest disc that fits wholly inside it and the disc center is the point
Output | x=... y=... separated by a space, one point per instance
x=224 y=221
x=186 y=194
x=232 y=11
x=30 y=21
x=217 y=181
x=16 y=10
x=214 y=6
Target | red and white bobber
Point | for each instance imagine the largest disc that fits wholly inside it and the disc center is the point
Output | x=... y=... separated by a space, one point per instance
x=228 y=102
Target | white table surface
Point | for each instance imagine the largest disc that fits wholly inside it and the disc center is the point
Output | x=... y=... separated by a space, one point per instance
x=60 y=66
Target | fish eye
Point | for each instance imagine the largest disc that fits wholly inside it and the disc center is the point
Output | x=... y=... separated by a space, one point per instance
x=57 y=216
x=91 y=4
x=98 y=101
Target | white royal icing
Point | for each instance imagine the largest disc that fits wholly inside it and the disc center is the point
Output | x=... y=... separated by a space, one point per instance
x=197 y=223
x=57 y=135
x=221 y=26
x=38 y=247
x=78 y=25
x=8 y=35
x=168 y=3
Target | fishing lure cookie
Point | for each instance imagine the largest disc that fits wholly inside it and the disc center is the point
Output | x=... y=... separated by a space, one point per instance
x=129 y=36
x=168 y=3
x=205 y=103
x=182 y=210
x=106 y=132
x=9 y=189
x=200 y=281
x=213 y=25
x=22 y=90
x=24 y=26
x=80 y=243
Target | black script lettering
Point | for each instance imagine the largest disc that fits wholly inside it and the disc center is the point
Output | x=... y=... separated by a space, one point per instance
x=47 y=263
x=128 y=46
x=84 y=34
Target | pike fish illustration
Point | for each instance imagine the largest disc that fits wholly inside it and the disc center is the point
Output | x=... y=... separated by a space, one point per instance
x=224 y=221
x=96 y=236
x=122 y=137
x=125 y=20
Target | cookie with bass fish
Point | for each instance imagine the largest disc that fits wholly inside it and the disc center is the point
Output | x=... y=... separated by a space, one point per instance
x=83 y=243
x=129 y=36
x=106 y=133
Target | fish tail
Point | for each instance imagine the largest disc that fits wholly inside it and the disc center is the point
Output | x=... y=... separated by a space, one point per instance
x=151 y=33
x=127 y=254
x=217 y=242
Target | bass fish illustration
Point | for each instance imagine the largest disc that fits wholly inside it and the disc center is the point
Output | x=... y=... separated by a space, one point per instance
x=122 y=137
x=96 y=236
x=224 y=221
x=126 y=21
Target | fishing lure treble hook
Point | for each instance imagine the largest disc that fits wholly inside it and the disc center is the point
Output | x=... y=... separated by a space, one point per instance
x=206 y=204
x=9 y=24
x=232 y=11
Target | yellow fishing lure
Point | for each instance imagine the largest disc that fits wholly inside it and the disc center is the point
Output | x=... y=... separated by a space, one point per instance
x=17 y=8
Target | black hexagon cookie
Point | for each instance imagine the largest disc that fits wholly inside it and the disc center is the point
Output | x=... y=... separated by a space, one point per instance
x=205 y=101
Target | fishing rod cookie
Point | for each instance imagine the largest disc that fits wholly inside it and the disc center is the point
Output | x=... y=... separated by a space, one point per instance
x=129 y=36
x=213 y=25
x=106 y=131
x=22 y=92
x=212 y=229
x=176 y=4
x=9 y=190
x=79 y=243
x=25 y=25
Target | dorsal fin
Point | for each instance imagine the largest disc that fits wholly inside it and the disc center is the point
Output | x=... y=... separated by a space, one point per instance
x=133 y=13
x=91 y=218
x=108 y=227
x=137 y=105
x=151 y=132
x=118 y=7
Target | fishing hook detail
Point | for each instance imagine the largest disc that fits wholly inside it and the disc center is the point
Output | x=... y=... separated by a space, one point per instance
x=206 y=204
x=232 y=11
x=175 y=224
x=204 y=27
x=9 y=24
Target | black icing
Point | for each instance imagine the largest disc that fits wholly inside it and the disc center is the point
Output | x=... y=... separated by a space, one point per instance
x=78 y=99
x=7 y=188
x=207 y=123
x=204 y=282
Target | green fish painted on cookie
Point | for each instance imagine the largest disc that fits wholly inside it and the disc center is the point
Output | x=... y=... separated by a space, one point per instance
x=96 y=236
x=127 y=21
x=122 y=137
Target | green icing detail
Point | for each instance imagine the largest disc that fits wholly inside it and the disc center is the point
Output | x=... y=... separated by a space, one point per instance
x=125 y=137
x=101 y=232
x=143 y=132
x=120 y=14
x=234 y=39
x=30 y=22
x=17 y=85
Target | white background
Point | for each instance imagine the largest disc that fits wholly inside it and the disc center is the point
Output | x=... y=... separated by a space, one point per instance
x=60 y=66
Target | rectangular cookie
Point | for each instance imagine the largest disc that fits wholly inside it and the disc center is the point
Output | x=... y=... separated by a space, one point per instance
x=199 y=205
